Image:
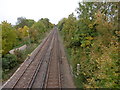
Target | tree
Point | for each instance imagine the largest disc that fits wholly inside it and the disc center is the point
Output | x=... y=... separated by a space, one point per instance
x=92 y=40
x=0 y=40
x=8 y=37
x=39 y=26
x=61 y=23
x=22 y=21
x=46 y=23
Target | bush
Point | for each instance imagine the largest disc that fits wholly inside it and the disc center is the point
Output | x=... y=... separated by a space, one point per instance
x=9 y=62
x=20 y=55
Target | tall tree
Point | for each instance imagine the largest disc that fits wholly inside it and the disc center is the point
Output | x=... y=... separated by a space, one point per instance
x=22 y=21
x=8 y=37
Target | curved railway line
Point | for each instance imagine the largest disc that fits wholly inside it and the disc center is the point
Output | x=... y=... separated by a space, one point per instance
x=44 y=67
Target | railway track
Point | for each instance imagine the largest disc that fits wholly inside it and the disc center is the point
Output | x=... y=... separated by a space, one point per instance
x=42 y=69
x=53 y=75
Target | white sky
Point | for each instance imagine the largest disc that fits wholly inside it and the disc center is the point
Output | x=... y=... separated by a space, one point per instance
x=55 y=10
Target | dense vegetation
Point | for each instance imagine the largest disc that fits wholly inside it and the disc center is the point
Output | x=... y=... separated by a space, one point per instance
x=26 y=31
x=91 y=40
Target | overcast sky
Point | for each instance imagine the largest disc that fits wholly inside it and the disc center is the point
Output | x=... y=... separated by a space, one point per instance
x=55 y=10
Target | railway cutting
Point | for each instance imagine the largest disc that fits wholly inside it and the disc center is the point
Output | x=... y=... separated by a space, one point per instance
x=47 y=67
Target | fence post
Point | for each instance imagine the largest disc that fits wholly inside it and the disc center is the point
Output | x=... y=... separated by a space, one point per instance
x=78 y=69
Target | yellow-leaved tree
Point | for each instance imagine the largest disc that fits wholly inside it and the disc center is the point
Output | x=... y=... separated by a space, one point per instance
x=8 y=37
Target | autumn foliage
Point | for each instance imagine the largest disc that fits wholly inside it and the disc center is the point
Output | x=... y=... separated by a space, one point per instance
x=91 y=40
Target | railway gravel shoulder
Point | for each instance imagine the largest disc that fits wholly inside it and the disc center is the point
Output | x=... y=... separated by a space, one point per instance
x=67 y=76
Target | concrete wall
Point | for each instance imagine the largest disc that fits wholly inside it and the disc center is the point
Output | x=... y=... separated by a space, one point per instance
x=20 y=48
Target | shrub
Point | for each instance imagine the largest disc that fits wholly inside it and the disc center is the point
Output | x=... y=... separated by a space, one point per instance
x=20 y=55
x=9 y=61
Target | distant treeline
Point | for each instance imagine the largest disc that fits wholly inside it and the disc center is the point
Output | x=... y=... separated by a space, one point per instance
x=22 y=32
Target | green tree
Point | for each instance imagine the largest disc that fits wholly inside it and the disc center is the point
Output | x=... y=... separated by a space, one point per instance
x=91 y=41
x=39 y=26
x=22 y=21
x=8 y=37
x=0 y=40
x=61 y=23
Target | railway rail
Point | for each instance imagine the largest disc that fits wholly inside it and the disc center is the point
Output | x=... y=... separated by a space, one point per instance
x=42 y=69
